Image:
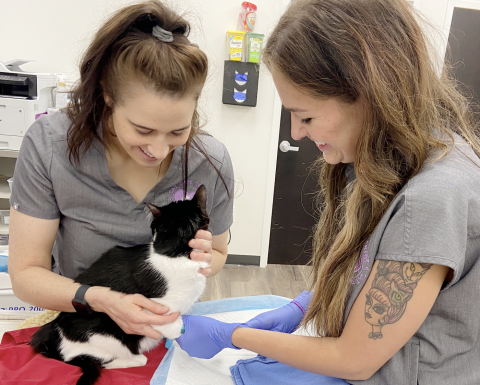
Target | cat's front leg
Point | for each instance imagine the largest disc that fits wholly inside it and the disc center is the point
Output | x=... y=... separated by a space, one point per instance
x=171 y=331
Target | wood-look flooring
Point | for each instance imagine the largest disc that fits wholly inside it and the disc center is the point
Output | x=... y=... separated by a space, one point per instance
x=240 y=281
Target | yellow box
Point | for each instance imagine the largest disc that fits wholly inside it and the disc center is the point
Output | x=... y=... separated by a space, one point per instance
x=236 y=43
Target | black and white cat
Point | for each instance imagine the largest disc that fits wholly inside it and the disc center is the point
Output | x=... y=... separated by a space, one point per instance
x=161 y=271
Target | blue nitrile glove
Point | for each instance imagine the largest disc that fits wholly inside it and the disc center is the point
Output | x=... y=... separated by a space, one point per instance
x=285 y=319
x=205 y=337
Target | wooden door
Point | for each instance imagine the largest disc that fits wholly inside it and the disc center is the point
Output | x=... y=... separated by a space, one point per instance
x=293 y=213
x=464 y=43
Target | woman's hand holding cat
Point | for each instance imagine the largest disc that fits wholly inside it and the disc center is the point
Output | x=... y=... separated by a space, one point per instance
x=202 y=250
x=205 y=337
x=126 y=310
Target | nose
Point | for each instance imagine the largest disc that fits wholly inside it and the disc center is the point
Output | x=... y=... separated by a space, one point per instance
x=159 y=148
x=298 y=130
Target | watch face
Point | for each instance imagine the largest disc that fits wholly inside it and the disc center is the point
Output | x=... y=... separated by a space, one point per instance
x=82 y=307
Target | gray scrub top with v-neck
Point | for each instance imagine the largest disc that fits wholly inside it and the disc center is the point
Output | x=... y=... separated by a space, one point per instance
x=434 y=219
x=95 y=213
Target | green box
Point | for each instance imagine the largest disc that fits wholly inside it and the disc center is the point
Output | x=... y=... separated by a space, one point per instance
x=255 y=45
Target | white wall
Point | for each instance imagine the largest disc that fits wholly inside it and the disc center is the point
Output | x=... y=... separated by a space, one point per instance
x=54 y=33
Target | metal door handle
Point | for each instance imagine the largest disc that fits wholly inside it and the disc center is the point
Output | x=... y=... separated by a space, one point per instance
x=285 y=147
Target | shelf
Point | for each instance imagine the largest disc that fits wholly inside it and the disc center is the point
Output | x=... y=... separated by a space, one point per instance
x=3 y=229
x=8 y=154
x=4 y=188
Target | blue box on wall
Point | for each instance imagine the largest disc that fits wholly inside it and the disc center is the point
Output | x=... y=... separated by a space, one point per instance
x=240 y=83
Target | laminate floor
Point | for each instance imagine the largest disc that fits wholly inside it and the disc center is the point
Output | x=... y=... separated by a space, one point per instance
x=239 y=281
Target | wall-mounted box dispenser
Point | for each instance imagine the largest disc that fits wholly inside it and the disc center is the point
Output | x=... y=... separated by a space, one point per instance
x=240 y=83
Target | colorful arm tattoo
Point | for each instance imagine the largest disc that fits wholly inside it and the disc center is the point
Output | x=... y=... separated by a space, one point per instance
x=391 y=289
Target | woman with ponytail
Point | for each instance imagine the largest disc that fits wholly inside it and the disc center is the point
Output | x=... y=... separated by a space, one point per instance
x=130 y=136
x=396 y=252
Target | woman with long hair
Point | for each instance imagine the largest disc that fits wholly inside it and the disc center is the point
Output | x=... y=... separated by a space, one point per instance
x=396 y=251
x=130 y=136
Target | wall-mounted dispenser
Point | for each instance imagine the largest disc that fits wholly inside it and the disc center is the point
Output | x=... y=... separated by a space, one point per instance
x=240 y=79
x=240 y=83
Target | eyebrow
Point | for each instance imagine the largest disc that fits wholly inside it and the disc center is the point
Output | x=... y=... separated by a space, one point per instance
x=295 y=109
x=151 y=129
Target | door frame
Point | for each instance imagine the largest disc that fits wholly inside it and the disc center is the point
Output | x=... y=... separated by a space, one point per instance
x=272 y=167
x=451 y=5
x=271 y=170
x=447 y=20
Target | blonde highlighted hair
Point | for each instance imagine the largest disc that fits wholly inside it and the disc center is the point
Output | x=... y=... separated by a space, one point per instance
x=376 y=51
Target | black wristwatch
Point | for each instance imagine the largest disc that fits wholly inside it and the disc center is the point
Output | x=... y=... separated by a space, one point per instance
x=79 y=303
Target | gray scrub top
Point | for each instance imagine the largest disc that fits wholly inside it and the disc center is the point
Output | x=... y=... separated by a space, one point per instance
x=434 y=219
x=95 y=213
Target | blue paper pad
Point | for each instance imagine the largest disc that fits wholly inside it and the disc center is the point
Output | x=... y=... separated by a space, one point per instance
x=220 y=306
x=262 y=370
x=3 y=263
x=257 y=370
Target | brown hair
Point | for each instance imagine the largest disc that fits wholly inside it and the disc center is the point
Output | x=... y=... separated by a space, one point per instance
x=375 y=51
x=124 y=50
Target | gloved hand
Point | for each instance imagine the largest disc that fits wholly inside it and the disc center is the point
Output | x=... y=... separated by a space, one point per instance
x=205 y=337
x=285 y=319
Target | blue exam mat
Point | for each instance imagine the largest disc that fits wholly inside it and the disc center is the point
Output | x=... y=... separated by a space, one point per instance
x=219 y=306
x=3 y=263
x=262 y=370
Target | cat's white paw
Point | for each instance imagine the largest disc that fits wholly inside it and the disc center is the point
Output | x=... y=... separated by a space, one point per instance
x=171 y=331
x=120 y=363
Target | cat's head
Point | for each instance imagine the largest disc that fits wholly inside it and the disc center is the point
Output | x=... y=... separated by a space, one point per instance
x=175 y=224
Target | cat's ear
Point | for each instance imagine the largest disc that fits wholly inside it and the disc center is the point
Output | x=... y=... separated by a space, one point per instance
x=201 y=197
x=154 y=209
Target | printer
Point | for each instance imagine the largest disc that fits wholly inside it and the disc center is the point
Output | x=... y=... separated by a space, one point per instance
x=24 y=97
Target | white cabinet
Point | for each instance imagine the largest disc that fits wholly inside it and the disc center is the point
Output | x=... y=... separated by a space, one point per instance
x=7 y=165
x=12 y=119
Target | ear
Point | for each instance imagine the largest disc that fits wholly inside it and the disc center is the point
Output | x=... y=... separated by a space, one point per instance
x=108 y=100
x=154 y=209
x=201 y=197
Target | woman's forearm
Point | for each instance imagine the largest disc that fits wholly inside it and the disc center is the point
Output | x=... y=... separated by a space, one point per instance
x=311 y=354
x=43 y=288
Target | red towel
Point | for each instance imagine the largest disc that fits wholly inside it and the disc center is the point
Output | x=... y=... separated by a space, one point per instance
x=20 y=365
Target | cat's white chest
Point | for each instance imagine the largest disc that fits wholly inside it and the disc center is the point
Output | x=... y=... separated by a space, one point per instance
x=185 y=284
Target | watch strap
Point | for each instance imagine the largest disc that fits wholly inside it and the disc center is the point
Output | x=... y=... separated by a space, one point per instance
x=79 y=303
x=80 y=294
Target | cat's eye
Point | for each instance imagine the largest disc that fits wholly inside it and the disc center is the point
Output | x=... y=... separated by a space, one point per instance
x=306 y=121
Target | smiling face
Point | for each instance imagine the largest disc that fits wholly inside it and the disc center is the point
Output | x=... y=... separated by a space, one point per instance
x=334 y=126
x=148 y=126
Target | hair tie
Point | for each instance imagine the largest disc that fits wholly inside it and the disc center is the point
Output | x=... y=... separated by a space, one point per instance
x=162 y=35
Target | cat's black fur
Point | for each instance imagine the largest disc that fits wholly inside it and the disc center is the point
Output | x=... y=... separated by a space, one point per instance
x=123 y=270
